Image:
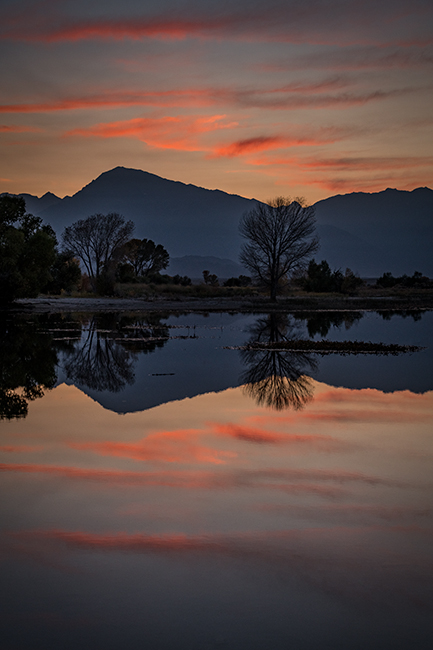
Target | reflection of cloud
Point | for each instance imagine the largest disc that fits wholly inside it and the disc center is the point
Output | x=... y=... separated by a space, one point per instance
x=292 y=479
x=370 y=565
x=263 y=436
x=165 y=446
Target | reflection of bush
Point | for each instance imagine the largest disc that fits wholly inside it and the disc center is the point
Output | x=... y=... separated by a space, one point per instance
x=27 y=364
x=321 y=322
x=105 y=356
x=273 y=378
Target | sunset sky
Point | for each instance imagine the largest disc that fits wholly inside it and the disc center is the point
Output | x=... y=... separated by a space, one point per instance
x=289 y=97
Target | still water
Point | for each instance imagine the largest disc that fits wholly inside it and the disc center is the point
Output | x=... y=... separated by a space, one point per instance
x=162 y=488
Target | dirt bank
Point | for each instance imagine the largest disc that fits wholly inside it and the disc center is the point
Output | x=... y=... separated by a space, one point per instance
x=237 y=304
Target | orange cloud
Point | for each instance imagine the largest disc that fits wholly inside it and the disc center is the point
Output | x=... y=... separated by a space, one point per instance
x=356 y=58
x=180 y=132
x=199 y=97
x=263 y=143
x=298 y=94
x=12 y=449
x=340 y=22
x=368 y=163
x=14 y=128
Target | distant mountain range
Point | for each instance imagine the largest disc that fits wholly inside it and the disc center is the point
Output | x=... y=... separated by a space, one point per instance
x=370 y=233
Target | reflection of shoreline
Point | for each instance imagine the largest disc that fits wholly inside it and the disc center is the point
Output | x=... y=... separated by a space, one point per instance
x=274 y=378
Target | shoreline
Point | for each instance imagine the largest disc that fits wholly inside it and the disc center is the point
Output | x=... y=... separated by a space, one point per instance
x=47 y=305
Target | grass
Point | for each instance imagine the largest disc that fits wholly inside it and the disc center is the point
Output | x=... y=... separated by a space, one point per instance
x=331 y=347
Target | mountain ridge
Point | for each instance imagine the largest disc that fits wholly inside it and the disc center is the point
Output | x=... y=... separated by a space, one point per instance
x=390 y=230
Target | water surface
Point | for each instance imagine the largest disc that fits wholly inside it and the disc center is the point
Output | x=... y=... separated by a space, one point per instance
x=162 y=490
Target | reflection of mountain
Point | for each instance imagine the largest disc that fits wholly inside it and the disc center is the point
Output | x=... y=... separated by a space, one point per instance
x=154 y=360
x=27 y=365
x=272 y=378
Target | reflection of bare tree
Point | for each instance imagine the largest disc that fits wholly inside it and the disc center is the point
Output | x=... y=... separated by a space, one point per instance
x=105 y=359
x=276 y=378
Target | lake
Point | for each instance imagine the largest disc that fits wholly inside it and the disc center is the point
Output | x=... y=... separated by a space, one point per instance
x=166 y=486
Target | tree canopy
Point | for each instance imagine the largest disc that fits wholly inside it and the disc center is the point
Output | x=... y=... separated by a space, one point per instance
x=144 y=256
x=97 y=240
x=27 y=250
x=279 y=239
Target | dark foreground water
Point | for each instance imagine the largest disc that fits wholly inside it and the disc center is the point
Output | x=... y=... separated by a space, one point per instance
x=161 y=489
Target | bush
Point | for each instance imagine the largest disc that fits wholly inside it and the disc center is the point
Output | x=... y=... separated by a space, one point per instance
x=241 y=281
x=320 y=278
x=387 y=280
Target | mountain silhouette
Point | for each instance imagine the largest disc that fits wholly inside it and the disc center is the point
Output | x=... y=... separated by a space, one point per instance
x=370 y=233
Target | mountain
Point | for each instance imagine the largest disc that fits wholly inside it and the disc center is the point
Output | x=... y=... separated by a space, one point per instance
x=185 y=219
x=370 y=233
x=396 y=227
x=37 y=205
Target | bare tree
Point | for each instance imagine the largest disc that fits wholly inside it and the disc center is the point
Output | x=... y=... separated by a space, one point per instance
x=280 y=240
x=97 y=240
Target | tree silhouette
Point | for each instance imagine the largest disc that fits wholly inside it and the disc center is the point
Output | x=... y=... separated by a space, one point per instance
x=144 y=256
x=27 y=251
x=97 y=240
x=273 y=378
x=279 y=237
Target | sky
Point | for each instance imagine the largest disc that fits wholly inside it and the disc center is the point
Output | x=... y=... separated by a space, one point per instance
x=285 y=97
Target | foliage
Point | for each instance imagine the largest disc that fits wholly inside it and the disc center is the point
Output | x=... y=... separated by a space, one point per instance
x=65 y=274
x=279 y=236
x=210 y=278
x=387 y=280
x=320 y=279
x=183 y=280
x=144 y=257
x=241 y=281
x=97 y=241
x=27 y=251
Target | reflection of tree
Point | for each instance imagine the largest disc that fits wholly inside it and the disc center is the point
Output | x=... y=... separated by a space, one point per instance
x=416 y=314
x=276 y=378
x=27 y=365
x=321 y=322
x=104 y=359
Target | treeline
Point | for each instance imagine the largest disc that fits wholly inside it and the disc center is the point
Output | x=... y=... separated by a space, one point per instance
x=97 y=252
x=33 y=262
